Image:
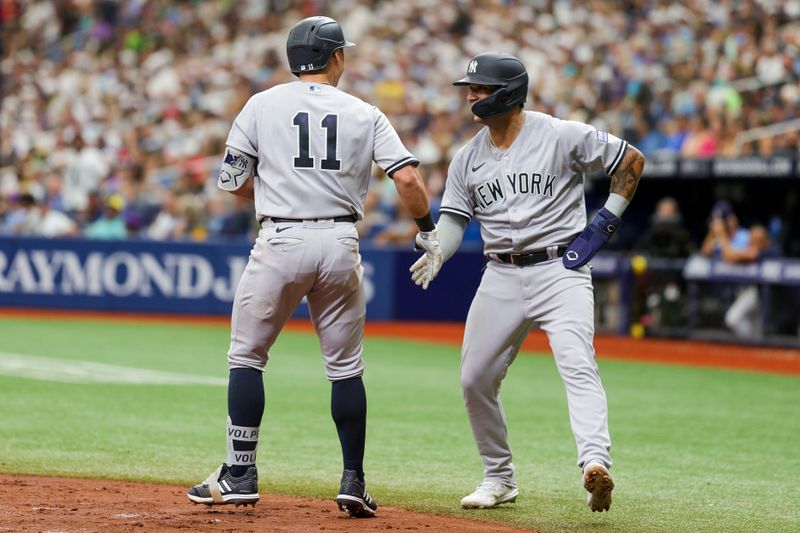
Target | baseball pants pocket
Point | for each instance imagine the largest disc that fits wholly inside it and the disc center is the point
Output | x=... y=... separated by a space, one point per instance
x=351 y=243
x=284 y=241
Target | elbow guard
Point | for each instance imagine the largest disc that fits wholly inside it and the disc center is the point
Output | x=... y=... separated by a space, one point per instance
x=237 y=168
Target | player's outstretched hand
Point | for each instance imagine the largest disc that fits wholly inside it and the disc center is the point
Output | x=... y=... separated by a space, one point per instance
x=591 y=239
x=426 y=267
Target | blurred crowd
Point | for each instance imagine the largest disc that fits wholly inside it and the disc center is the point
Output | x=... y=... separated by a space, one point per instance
x=115 y=113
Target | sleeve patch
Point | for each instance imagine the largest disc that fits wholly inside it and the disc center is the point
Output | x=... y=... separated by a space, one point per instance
x=602 y=136
x=237 y=168
x=236 y=161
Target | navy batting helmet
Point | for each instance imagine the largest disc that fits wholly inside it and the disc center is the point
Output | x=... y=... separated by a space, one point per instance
x=311 y=43
x=500 y=70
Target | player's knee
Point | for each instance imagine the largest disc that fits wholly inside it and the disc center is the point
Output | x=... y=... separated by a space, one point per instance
x=573 y=352
x=583 y=374
x=476 y=383
x=576 y=362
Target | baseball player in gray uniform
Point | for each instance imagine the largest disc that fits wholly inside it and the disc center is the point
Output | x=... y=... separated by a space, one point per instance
x=522 y=177
x=304 y=152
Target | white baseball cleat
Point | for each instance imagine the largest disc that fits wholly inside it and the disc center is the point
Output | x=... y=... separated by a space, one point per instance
x=597 y=481
x=490 y=493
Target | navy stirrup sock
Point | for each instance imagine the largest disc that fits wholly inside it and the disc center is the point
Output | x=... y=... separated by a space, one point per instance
x=349 y=412
x=245 y=407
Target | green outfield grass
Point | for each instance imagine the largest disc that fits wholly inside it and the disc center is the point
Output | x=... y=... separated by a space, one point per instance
x=694 y=449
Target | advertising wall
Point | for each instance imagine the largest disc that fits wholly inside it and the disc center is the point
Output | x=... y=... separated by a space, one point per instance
x=202 y=278
x=190 y=278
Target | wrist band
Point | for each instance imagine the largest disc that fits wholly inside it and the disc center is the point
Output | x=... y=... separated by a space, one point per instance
x=616 y=204
x=425 y=223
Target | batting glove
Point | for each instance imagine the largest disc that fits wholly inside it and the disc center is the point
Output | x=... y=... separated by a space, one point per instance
x=591 y=239
x=426 y=267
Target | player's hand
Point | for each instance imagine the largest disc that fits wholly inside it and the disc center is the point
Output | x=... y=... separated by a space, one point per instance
x=427 y=267
x=591 y=239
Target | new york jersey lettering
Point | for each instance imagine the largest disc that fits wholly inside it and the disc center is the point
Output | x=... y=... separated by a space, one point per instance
x=488 y=193
x=531 y=183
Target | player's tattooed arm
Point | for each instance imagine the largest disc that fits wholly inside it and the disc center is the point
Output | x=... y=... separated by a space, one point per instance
x=626 y=177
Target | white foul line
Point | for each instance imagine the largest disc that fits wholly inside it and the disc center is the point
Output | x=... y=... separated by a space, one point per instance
x=72 y=371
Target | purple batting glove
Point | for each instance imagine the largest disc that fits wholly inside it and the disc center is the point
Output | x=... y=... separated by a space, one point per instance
x=591 y=239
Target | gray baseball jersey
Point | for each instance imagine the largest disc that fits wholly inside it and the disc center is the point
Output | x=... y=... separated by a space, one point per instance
x=315 y=146
x=530 y=196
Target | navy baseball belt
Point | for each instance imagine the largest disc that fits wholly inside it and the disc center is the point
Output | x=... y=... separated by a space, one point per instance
x=345 y=218
x=530 y=258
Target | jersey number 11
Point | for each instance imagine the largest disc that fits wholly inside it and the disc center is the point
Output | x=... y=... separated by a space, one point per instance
x=331 y=125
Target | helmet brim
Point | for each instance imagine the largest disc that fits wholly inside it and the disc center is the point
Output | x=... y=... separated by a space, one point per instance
x=480 y=80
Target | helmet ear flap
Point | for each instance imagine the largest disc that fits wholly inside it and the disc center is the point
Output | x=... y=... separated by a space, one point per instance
x=491 y=106
x=503 y=100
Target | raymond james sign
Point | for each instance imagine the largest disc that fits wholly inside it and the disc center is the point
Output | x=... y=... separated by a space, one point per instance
x=119 y=273
x=139 y=275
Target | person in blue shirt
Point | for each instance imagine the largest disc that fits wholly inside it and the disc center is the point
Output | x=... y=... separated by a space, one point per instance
x=728 y=242
x=723 y=224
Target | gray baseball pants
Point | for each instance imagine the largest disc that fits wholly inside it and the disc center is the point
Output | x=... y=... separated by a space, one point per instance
x=318 y=260
x=509 y=301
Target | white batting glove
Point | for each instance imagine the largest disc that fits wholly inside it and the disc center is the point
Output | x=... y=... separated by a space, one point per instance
x=426 y=267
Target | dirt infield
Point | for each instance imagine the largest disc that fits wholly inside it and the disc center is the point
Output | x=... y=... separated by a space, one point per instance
x=79 y=505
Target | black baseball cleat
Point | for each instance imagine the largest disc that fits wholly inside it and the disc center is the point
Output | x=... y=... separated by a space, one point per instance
x=222 y=488
x=353 y=497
